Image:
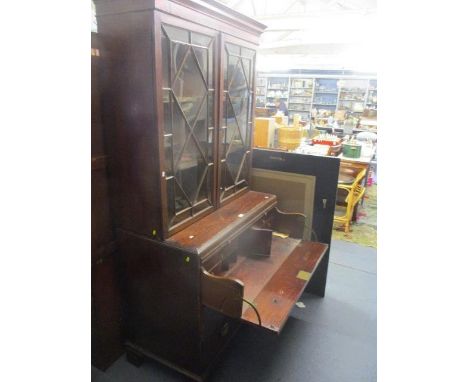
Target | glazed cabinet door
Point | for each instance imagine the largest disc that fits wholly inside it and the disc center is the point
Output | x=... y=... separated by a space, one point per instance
x=188 y=97
x=238 y=70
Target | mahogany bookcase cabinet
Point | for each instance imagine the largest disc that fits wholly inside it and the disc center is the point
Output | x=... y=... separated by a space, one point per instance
x=197 y=249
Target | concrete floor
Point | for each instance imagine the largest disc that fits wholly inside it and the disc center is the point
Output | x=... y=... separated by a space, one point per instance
x=333 y=339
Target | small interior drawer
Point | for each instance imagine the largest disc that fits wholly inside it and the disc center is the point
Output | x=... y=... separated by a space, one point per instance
x=263 y=290
x=222 y=258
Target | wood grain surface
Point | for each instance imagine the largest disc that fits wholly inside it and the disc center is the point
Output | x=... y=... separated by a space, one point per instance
x=223 y=225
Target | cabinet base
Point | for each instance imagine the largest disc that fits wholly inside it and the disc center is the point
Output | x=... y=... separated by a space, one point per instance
x=136 y=356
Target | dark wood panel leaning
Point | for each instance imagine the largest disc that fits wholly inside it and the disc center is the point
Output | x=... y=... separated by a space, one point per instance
x=325 y=170
x=198 y=249
x=106 y=336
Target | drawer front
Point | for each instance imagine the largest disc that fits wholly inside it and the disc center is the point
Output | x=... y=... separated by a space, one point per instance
x=218 y=330
x=221 y=260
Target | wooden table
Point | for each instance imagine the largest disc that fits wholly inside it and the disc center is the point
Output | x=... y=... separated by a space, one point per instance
x=345 y=178
x=367 y=153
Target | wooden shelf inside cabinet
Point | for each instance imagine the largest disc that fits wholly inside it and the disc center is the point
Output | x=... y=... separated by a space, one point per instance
x=274 y=284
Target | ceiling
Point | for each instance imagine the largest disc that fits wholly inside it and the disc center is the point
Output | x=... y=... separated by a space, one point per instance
x=314 y=34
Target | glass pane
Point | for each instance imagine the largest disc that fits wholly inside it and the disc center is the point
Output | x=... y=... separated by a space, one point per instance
x=234 y=157
x=209 y=148
x=167 y=111
x=205 y=185
x=225 y=74
x=231 y=125
x=222 y=143
x=166 y=60
x=248 y=53
x=238 y=79
x=201 y=39
x=202 y=58
x=200 y=129
x=210 y=68
x=180 y=131
x=168 y=155
x=210 y=109
x=179 y=53
x=233 y=63
x=188 y=121
x=240 y=103
x=227 y=179
x=237 y=118
x=246 y=65
x=191 y=170
x=233 y=49
x=180 y=199
x=189 y=88
x=170 y=199
x=239 y=96
x=244 y=169
x=248 y=133
x=177 y=34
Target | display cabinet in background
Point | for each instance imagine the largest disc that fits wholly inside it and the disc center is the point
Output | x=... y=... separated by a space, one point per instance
x=371 y=102
x=300 y=97
x=319 y=95
x=260 y=92
x=352 y=95
x=277 y=87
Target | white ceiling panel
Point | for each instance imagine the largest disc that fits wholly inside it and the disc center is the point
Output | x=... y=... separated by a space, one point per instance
x=334 y=34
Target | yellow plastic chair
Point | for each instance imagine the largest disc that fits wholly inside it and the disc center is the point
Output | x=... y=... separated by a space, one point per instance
x=355 y=192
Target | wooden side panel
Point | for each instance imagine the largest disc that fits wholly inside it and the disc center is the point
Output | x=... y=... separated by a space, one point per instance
x=106 y=325
x=101 y=224
x=97 y=137
x=129 y=117
x=222 y=294
x=162 y=299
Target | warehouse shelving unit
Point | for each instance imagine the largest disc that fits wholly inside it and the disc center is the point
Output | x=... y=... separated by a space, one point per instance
x=371 y=97
x=277 y=87
x=300 y=97
x=352 y=95
x=260 y=91
x=325 y=98
x=319 y=93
